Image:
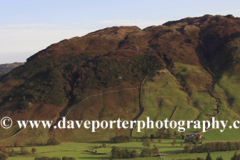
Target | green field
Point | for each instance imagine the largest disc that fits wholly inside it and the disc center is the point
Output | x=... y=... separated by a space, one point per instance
x=214 y=155
x=227 y=135
x=85 y=150
x=82 y=150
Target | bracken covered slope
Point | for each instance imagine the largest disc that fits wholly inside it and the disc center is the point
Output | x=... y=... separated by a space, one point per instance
x=198 y=59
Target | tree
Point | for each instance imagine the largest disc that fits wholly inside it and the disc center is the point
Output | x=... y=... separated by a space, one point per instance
x=169 y=133
x=34 y=150
x=146 y=142
x=134 y=154
x=3 y=149
x=115 y=152
x=53 y=141
x=24 y=151
x=3 y=156
x=175 y=133
x=183 y=136
x=65 y=158
x=127 y=153
x=56 y=158
x=146 y=152
x=11 y=152
x=16 y=144
x=24 y=105
x=152 y=137
x=120 y=139
x=104 y=145
x=198 y=138
x=235 y=156
x=123 y=153
x=156 y=150
x=187 y=149
x=174 y=141
x=219 y=158
x=160 y=133
x=208 y=156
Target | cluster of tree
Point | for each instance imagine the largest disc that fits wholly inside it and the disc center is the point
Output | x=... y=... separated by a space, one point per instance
x=6 y=152
x=101 y=146
x=55 y=158
x=160 y=134
x=24 y=105
x=24 y=151
x=123 y=153
x=55 y=82
x=44 y=77
x=146 y=142
x=104 y=72
x=212 y=147
x=198 y=158
x=30 y=144
x=235 y=156
x=208 y=157
x=169 y=134
x=53 y=141
x=147 y=152
x=219 y=158
x=9 y=151
x=120 y=139
x=3 y=156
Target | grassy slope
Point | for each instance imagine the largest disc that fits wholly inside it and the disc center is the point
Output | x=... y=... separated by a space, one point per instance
x=162 y=92
x=227 y=90
x=227 y=83
x=190 y=91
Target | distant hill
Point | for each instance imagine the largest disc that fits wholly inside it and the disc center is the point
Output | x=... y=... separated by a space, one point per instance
x=4 y=68
x=192 y=68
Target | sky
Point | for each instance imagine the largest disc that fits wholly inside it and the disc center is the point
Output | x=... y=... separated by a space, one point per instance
x=28 y=26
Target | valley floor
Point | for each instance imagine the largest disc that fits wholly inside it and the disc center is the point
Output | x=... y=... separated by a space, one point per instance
x=85 y=151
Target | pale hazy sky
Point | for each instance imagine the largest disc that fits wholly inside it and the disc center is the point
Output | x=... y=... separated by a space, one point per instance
x=27 y=26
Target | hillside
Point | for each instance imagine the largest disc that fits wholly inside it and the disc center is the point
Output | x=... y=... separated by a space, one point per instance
x=192 y=63
x=4 y=68
x=1 y=74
